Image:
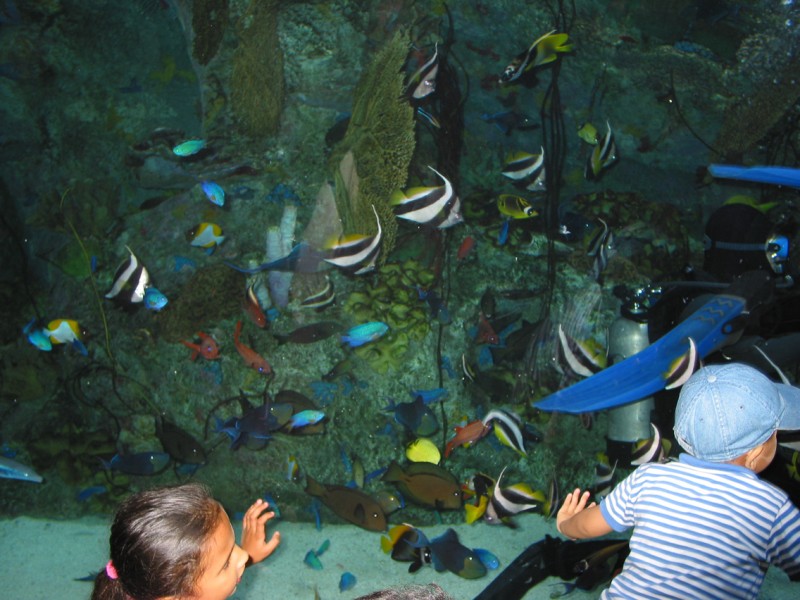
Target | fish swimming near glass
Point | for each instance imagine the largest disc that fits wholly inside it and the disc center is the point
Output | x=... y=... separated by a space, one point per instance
x=130 y=282
x=426 y=484
x=349 y=504
x=355 y=253
x=437 y=206
x=423 y=82
x=602 y=156
x=542 y=51
x=526 y=170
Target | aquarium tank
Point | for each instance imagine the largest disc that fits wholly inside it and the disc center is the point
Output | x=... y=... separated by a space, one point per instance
x=449 y=259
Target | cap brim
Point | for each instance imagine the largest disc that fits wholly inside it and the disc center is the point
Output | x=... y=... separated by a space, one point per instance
x=790 y=420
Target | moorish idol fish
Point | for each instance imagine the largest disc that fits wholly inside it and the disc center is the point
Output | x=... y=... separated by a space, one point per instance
x=515 y=207
x=355 y=253
x=526 y=169
x=508 y=428
x=544 y=50
x=602 y=248
x=130 y=281
x=579 y=357
x=603 y=477
x=648 y=450
x=205 y=235
x=438 y=206
x=423 y=82
x=512 y=500
x=213 y=192
x=321 y=299
x=682 y=367
x=602 y=156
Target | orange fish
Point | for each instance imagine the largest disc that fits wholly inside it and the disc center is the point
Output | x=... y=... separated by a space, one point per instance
x=253 y=308
x=207 y=348
x=471 y=432
x=253 y=359
x=466 y=246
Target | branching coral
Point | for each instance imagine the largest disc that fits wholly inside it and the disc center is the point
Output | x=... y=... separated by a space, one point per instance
x=381 y=139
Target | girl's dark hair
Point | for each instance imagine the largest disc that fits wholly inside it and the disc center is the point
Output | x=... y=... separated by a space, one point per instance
x=157 y=542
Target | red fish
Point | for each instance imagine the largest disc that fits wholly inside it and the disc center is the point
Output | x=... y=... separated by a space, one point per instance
x=466 y=246
x=253 y=308
x=486 y=333
x=207 y=348
x=471 y=432
x=250 y=356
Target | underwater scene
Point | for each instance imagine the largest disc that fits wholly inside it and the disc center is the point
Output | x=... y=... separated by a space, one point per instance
x=354 y=257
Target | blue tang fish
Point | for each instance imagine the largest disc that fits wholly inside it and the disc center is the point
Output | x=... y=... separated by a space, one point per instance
x=365 y=333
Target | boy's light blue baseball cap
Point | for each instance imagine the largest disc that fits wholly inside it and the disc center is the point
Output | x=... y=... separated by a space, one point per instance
x=725 y=410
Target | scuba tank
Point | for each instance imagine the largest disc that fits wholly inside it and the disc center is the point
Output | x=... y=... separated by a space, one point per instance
x=627 y=336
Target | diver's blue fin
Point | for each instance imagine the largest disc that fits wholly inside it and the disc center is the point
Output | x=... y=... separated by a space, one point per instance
x=775 y=175
x=647 y=372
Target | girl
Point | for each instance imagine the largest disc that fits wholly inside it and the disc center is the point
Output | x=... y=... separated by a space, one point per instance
x=177 y=543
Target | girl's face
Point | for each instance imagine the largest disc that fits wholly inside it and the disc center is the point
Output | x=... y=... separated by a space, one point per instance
x=224 y=563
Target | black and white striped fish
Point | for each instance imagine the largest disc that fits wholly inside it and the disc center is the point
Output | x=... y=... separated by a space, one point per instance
x=437 y=206
x=579 y=358
x=602 y=156
x=682 y=367
x=508 y=428
x=423 y=82
x=512 y=500
x=526 y=170
x=321 y=299
x=130 y=282
x=355 y=253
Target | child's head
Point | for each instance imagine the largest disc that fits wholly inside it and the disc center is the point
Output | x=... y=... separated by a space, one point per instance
x=174 y=542
x=726 y=411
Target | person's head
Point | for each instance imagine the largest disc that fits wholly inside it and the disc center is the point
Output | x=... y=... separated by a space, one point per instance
x=732 y=412
x=409 y=592
x=171 y=543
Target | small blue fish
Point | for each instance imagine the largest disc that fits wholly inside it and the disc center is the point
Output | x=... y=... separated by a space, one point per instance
x=213 y=192
x=429 y=396
x=365 y=333
x=502 y=236
x=93 y=264
x=312 y=560
x=323 y=547
x=12 y=469
x=304 y=418
x=37 y=336
x=154 y=300
x=347 y=581
x=87 y=493
x=189 y=147
x=273 y=505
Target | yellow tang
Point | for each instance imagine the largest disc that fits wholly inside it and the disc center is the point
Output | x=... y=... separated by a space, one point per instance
x=515 y=207
x=423 y=450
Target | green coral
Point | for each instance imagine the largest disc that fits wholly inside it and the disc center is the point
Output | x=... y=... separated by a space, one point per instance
x=209 y=20
x=395 y=301
x=381 y=139
x=257 y=86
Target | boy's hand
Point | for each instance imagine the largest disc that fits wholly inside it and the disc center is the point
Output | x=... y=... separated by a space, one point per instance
x=574 y=503
x=254 y=532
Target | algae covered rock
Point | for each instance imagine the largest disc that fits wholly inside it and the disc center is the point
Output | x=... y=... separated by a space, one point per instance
x=380 y=138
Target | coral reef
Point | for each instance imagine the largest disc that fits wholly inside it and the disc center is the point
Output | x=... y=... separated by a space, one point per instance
x=212 y=294
x=395 y=301
x=257 y=85
x=381 y=139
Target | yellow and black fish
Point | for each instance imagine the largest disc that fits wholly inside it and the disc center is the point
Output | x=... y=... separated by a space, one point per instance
x=544 y=50
x=603 y=155
x=515 y=207
x=355 y=253
x=527 y=170
x=437 y=206
x=581 y=358
x=512 y=500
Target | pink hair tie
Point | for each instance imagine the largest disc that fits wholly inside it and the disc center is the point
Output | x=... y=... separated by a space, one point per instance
x=111 y=571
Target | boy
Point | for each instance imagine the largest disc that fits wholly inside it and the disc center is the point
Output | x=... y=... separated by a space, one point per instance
x=704 y=526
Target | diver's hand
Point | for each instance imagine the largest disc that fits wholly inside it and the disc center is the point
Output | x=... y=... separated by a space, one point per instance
x=574 y=503
x=254 y=532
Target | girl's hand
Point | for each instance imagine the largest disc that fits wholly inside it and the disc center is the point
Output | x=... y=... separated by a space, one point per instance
x=254 y=532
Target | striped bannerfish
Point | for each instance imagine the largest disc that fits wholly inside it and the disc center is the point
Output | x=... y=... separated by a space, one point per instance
x=130 y=281
x=527 y=170
x=602 y=156
x=438 y=206
x=355 y=253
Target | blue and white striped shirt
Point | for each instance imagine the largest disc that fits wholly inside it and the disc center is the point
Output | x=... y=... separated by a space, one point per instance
x=701 y=530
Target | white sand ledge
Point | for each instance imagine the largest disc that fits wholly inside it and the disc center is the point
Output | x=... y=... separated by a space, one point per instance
x=41 y=559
